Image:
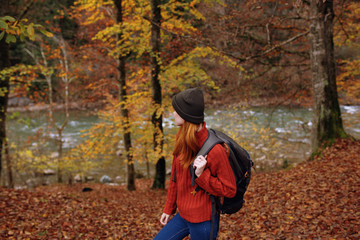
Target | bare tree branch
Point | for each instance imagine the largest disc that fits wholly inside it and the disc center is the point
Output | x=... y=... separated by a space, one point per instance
x=269 y=50
x=231 y=55
x=25 y=11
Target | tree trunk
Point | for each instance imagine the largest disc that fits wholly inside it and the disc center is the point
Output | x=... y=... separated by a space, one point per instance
x=158 y=138
x=8 y=164
x=65 y=78
x=124 y=110
x=147 y=161
x=327 y=123
x=60 y=153
x=4 y=84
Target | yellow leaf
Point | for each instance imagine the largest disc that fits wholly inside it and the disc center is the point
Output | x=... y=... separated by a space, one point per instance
x=30 y=30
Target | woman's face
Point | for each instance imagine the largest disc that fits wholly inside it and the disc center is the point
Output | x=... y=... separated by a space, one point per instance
x=178 y=120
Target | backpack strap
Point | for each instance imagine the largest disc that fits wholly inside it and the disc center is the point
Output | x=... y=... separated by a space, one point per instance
x=214 y=203
x=209 y=143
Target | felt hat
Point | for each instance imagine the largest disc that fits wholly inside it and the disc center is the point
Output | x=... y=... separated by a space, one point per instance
x=189 y=104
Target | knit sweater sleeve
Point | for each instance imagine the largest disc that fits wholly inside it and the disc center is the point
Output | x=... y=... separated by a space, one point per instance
x=170 y=206
x=218 y=179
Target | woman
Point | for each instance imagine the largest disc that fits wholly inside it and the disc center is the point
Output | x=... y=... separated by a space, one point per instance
x=214 y=174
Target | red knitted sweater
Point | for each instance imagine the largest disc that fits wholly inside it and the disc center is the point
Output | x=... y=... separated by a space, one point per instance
x=217 y=179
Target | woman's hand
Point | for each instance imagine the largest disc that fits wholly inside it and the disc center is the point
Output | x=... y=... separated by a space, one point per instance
x=164 y=219
x=199 y=165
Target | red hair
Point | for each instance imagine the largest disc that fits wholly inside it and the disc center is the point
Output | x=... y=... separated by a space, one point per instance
x=186 y=144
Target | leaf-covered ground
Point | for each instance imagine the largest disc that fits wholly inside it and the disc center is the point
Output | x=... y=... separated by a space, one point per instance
x=315 y=200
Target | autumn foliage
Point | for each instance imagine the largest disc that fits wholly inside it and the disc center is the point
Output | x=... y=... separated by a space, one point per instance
x=314 y=200
x=254 y=51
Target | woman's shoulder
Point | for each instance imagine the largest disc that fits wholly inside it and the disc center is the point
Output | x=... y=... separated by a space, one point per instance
x=218 y=151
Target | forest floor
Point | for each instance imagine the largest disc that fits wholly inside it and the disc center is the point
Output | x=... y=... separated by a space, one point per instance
x=314 y=200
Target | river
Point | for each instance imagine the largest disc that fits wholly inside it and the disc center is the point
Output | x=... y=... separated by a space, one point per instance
x=275 y=137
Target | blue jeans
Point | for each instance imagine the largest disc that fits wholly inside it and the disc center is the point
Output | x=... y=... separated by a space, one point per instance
x=178 y=228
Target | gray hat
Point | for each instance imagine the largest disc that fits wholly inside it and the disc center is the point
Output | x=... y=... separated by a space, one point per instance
x=189 y=104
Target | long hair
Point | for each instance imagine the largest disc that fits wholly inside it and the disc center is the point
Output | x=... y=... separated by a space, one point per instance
x=186 y=144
